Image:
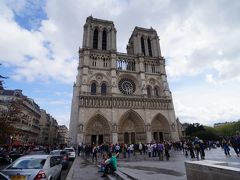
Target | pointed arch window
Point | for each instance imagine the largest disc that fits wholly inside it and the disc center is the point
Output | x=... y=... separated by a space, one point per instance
x=142 y=46
x=148 y=91
x=156 y=92
x=95 y=39
x=103 y=89
x=149 y=47
x=93 y=88
x=104 y=40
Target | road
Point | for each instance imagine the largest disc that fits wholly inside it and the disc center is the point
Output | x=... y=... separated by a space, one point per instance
x=64 y=171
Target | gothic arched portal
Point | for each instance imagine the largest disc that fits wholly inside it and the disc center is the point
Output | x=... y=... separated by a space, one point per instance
x=98 y=130
x=160 y=128
x=131 y=128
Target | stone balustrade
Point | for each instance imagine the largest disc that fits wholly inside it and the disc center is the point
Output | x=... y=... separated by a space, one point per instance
x=138 y=102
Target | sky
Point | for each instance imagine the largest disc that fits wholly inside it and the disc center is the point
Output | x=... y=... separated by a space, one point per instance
x=200 y=40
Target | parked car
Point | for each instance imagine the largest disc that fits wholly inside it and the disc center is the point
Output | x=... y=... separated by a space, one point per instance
x=15 y=155
x=4 y=158
x=63 y=154
x=4 y=177
x=33 y=167
x=71 y=153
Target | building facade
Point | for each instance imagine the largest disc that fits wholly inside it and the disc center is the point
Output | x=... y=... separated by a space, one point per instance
x=26 y=125
x=45 y=128
x=53 y=133
x=121 y=97
x=63 y=134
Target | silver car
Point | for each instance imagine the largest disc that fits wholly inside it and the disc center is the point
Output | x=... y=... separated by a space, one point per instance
x=44 y=167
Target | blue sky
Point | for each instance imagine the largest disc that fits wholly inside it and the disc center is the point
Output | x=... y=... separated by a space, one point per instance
x=39 y=41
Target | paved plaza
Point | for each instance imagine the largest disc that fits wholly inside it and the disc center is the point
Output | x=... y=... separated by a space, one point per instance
x=142 y=167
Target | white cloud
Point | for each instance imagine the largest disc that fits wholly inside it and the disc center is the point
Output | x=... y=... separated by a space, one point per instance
x=208 y=103
x=198 y=38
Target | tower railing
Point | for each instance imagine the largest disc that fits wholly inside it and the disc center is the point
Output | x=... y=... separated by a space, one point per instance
x=136 y=102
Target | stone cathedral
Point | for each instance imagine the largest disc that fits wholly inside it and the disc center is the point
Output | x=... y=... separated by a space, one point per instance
x=121 y=97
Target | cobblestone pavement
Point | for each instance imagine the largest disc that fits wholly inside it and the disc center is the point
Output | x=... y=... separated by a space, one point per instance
x=83 y=169
x=141 y=167
x=174 y=169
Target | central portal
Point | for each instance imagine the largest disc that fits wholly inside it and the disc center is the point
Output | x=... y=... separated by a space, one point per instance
x=97 y=139
x=131 y=128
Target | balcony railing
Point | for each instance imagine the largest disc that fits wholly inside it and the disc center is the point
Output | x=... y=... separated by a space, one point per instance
x=136 y=102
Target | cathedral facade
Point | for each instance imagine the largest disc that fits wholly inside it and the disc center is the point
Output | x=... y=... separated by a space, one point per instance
x=121 y=97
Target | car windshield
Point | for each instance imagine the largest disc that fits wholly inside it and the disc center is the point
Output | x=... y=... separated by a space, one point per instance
x=28 y=164
x=63 y=152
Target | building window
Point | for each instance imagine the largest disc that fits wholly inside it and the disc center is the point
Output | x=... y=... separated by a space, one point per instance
x=104 y=40
x=148 y=91
x=149 y=47
x=105 y=64
x=156 y=92
x=93 y=88
x=103 y=89
x=95 y=39
x=142 y=46
x=146 y=67
x=153 y=68
x=94 y=63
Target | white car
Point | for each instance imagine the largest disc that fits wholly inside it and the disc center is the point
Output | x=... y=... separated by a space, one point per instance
x=33 y=167
x=71 y=153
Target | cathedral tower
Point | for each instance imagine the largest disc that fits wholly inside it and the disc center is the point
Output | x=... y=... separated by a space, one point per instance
x=121 y=97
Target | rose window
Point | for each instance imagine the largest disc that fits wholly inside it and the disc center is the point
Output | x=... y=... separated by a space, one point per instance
x=127 y=86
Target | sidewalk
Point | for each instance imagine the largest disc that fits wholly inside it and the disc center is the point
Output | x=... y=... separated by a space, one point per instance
x=84 y=170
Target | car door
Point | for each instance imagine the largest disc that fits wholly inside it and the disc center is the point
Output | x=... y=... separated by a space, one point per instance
x=58 y=165
x=53 y=169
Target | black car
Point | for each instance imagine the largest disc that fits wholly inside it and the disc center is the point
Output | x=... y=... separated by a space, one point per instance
x=15 y=155
x=4 y=158
x=63 y=155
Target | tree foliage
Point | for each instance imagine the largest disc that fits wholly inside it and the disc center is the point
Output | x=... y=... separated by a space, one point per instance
x=10 y=114
x=212 y=133
x=229 y=129
x=2 y=80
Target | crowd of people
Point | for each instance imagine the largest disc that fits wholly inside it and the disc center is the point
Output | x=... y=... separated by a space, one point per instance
x=195 y=148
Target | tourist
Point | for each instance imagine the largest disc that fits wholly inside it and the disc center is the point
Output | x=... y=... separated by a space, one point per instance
x=202 y=148
x=234 y=144
x=166 y=149
x=226 y=147
x=111 y=164
x=140 y=147
x=117 y=148
x=128 y=150
x=125 y=149
x=190 y=147
x=149 y=149
x=94 y=153
x=160 y=148
x=102 y=164
x=197 y=147
x=131 y=148
x=154 y=150
x=185 y=147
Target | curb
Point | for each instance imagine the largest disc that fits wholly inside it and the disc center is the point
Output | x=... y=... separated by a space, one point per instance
x=70 y=172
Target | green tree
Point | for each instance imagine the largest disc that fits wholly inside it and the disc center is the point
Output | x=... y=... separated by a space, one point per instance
x=229 y=129
x=2 y=80
x=10 y=114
